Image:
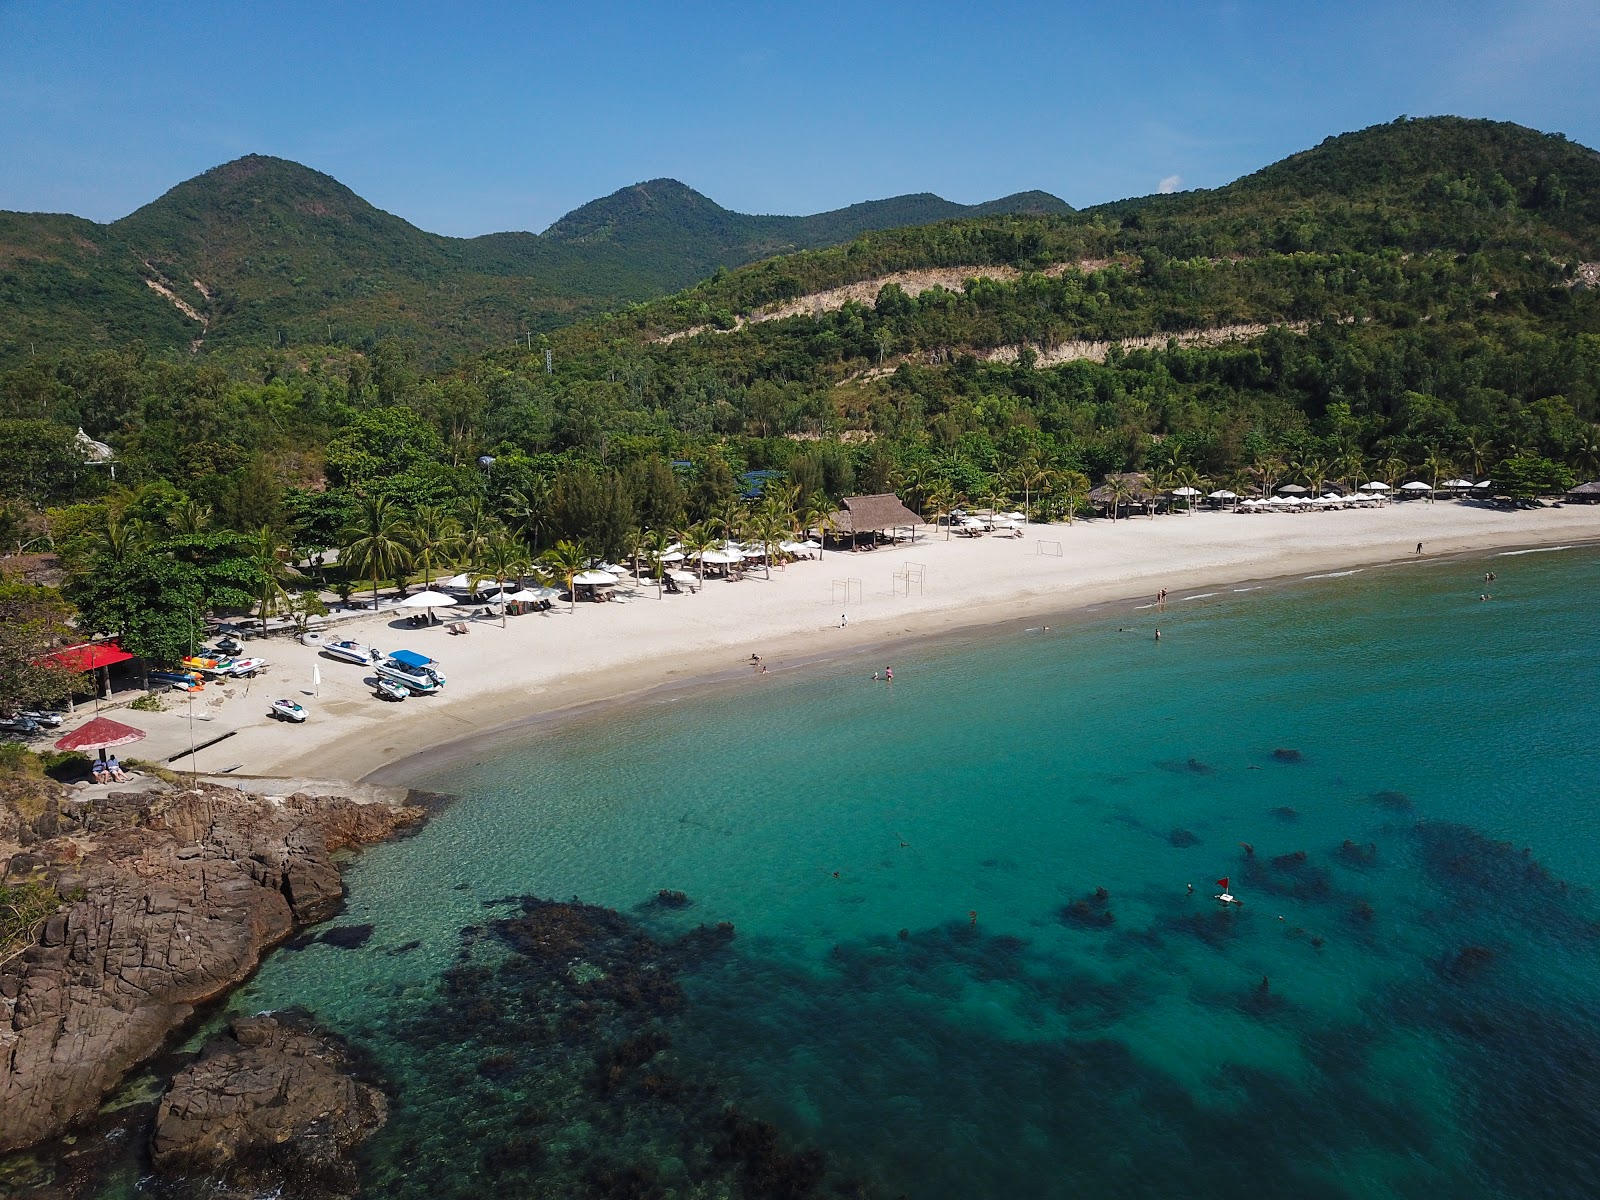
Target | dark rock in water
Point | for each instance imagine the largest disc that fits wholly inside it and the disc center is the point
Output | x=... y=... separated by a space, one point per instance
x=1393 y=801
x=347 y=937
x=1091 y=912
x=1358 y=855
x=1189 y=766
x=666 y=898
x=1287 y=756
x=1182 y=838
x=1292 y=861
x=272 y=1105
x=766 y=1169
x=1362 y=913
x=405 y=947
x=1286 y=814
x=1468 y=963
x=905 y=935
x=462 y=887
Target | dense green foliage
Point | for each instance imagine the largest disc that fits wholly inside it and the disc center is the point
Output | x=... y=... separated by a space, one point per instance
x=1412 y=301
x=266 y=252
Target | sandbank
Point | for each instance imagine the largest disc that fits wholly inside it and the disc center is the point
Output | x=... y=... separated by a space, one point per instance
x=503 y=681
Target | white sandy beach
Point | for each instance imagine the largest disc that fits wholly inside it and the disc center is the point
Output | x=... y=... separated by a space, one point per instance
x=542 y=663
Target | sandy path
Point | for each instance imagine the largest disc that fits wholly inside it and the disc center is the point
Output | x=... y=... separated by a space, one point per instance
x=543 y=663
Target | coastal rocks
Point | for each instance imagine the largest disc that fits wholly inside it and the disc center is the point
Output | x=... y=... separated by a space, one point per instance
x=1285 y=755
x=1182 y=838
x=160 y=913
x=1091 y=912
x=269 y=1106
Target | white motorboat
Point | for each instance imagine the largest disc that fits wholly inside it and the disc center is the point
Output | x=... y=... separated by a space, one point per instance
x=354 y=652
x=415 y=679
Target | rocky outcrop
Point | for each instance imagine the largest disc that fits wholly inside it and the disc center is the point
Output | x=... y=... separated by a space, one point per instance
x=169 y=900
x=270 y=1106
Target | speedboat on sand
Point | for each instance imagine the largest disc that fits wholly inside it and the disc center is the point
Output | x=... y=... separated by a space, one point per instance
x=353 y=652
x=413 y=679
x=288 y=710
x=388 y=689
x=411 y=660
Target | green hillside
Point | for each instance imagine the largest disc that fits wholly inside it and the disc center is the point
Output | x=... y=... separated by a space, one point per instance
x=267 y=252
x=1416 y=300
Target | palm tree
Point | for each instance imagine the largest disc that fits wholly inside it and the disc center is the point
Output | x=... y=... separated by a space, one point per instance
x=504 y=557
x=373 y=545
x=1160 y=483
x=655 y=548
x=1437 y=463
x=119 y=538
x=267 y=551
x=432 y=535
x=1187 y=476
x=1033 y=475
x=696 y=540
x=1266 y=470
x=817 y=513
x=567 y=559
x=1121 y=492
x=913 y=482
x=1350 y=467
x=527 y=511
x=1392 y=469
x=190 y=518
x=1479 y=450
x=477 y=525
x=1586 y=450
x=1074 y=489
x=768 y=528
x=941 y=499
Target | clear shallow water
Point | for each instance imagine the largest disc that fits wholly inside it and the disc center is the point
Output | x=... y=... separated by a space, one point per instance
x=1423 y=1020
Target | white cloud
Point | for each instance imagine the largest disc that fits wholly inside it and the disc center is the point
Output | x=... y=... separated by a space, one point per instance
x=1170 y=184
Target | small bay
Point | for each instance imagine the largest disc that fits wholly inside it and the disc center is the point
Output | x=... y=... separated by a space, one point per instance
x=966 y=960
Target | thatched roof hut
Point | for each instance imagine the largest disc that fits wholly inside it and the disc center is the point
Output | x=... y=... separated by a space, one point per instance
x=1588 y=493
x=873 y=514
x=1138 y=488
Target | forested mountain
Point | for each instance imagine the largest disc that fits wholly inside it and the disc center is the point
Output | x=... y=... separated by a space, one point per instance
x=261 y=251
x=1414 y=300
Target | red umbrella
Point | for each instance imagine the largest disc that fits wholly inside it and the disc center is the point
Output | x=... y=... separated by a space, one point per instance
x=99 y=734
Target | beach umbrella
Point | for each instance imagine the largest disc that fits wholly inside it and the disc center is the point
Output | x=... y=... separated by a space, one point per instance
x=1292 y=489
x=1375 y=486
x=1457 y=483
x=1416 y=485
x=595 y=579
x=791 y=547
x=456 y=581
x=683 y=576
x=1016 y=516
x=1223 y=494
x=672 y=556
x=808 y=544
x=99 y=734
x=1186 y=491
x=721 y=556
x=429 y=599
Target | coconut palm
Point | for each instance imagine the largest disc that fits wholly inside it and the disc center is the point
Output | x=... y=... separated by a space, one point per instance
x=373 y=545
x=477 y=525
x=766 y=526
x=655 y=549
x=1121 y=493
x=121 y=537
x=1265 y=472
x=1187 y=477
x=190 y=518
x=1350 y=466
x=1073 y=488
x=817 y=513
x=527 y=511
x=1479 y=450
x=273 y=574
x=433 y=536
x=1586 y=450
x=504 y=558
x=1393 y=469
x=567 y=559
x=1033 y=475
x=1437 y=463
x=941 y=499
x=699 y=538
x=1160 y=482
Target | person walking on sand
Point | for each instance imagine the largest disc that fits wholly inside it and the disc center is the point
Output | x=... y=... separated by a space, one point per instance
x=1419 y=547
x=844 y=619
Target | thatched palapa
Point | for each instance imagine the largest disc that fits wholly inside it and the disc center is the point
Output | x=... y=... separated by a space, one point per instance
x=873 y=514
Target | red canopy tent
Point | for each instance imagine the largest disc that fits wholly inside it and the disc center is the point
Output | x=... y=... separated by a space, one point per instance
x=99 y=734
x=86 y=658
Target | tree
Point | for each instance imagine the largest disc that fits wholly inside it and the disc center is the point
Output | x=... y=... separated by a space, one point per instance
x=33 y=621
x=503 y=558
x=1074 y=488
x=267 y=550
x=1436 y=464
x=527 y=512
x=190 y=518
x=656 y=548
x=697 y=539
x=817 y=513
x=374 y=543
x=1525 y=476
x=1121 y=494
x=151 y=602
x=566 y=559
x=431 y=536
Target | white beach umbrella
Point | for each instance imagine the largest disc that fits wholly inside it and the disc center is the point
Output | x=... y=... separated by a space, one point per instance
x=1014 y=516
x=1377 y=485
x=683 y=576
x=1482 y=483
x=1457 y=483
x=595 y=579
x=1223 y=494
x=808 y=544
x=529 y=595
x=456 y=581
x=428 y=599
x=1186 y=491
x=1416 y=485
x=791 y=547
x=672 y=556
x=721 y=556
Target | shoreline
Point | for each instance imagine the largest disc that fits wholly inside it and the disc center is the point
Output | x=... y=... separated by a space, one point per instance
x=402 y=771
x=557 y=667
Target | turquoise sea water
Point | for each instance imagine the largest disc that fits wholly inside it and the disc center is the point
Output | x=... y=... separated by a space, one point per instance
x=1401 y=782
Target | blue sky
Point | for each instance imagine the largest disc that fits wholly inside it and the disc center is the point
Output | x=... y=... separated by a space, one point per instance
x=468 y=118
